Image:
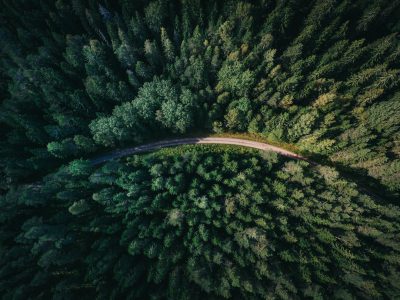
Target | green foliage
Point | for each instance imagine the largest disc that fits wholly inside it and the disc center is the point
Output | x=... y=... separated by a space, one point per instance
x=305 y=72
x=79 y=76
x=224 y=222
x=158 y=105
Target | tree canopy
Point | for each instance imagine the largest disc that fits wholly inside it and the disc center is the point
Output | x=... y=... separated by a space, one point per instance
x=198 y=222
x=83 y=77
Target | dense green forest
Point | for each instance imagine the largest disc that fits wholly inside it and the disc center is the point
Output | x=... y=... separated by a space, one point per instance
x=198 y=223
x=82 y=77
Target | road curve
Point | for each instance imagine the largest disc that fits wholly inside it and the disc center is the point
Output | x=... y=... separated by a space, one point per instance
x=212 y=140
x=191 y=141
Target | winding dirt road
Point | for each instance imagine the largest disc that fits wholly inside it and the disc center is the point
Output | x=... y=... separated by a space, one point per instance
x=192 y=141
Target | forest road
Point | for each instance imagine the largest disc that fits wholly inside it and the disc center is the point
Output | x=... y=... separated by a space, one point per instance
x=213 y=140
x=191 y=141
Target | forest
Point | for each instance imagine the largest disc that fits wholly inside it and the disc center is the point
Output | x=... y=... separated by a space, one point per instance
x=82 y=77
x=199 y=223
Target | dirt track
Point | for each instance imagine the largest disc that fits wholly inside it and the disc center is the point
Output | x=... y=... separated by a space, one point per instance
x=191 y=141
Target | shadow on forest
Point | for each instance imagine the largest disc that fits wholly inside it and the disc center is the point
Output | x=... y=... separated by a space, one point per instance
x=359 y=176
